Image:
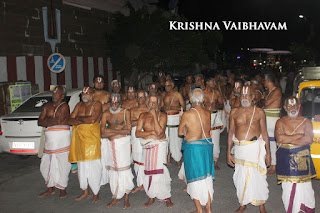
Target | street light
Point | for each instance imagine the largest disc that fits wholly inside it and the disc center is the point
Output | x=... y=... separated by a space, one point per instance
x=301 y=16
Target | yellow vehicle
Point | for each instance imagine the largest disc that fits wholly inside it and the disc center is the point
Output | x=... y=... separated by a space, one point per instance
x=309 y=96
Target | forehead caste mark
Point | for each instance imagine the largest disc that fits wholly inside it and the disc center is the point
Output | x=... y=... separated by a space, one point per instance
x=292 y=101
x=237 y=85
x=245 y=90
x=131 y=89
x=141 y=95
x=99 y=79
x=114 y=99
x=152 y=86
x=86 y=90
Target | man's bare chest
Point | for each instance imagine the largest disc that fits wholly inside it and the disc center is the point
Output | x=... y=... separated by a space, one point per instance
x=116 y=119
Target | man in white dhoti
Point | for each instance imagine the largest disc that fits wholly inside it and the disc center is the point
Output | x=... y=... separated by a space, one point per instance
x=248 y=135
x=198 y=149
x=151 y=129
x=174 y=105
x=116 y=127
x=137 y=149
x=295 y=168
x=213 y=102
x=100 y=94
x=85 y=148
x=54 y=166
x=272 y=108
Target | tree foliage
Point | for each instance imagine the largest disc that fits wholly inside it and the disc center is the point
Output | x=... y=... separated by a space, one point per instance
x=142 y=42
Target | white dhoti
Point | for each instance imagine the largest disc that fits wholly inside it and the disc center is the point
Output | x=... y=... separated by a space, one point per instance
x=216 y=126
x=250 y=177
x=89 y=173
x=157 y=181
x=175 y=141
x=201 y=189
x=298 y=197
x=104 y=153
x=272 y=115
x=118 y=164
x=137 y=155
x=55 y=167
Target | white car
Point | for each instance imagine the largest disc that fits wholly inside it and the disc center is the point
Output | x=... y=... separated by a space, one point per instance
x=20 y=133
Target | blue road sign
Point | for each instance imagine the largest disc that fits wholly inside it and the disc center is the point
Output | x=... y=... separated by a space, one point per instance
x=56 y=62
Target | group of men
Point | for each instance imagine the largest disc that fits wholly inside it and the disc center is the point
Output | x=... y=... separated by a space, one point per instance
x=112 y=131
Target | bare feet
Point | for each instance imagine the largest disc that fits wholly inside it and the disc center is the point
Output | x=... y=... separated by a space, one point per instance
x=262 y=209
x=113 y=202
x=271 y=170
x=63 y=194
x=85 y=194
x=149 y=203
x=126 y=202
x=169 y=204
x=95 y=198
x=140 y=188
x=185 y=189
x=50 y=191
x=241 y=209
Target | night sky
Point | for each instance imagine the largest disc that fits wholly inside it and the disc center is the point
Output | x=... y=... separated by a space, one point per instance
x=258 y=10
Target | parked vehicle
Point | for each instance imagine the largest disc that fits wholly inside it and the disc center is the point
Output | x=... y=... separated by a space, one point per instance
x=20 y=133
x=309 y=97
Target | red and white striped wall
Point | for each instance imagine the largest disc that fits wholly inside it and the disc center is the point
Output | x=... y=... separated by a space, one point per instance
x=78 y=73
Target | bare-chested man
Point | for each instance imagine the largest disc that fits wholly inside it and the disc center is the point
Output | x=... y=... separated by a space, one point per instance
x=131 y=99
x=151 y=129
x=272 y=108
x=186 y=89
x=213 y=102
x=137 y=149
x=100 y=94
x=116 y=88
x=173 y=105
x=54 y=166
x=198 y=149
x=295 y=167
x=85 y=148
x=116 y=127
x=248 y=134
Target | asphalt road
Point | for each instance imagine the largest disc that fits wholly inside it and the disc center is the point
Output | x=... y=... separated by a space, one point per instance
x=21 y=182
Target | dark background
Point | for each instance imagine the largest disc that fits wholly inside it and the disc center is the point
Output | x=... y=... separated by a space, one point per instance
x=257 y=10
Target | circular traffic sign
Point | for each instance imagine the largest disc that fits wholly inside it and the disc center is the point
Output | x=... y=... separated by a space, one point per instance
x=56 y=62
